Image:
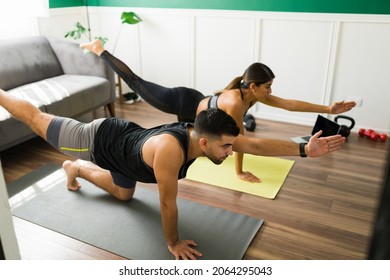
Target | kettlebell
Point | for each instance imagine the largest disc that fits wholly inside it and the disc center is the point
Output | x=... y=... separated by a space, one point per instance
x=249 y=122
x=345 y=130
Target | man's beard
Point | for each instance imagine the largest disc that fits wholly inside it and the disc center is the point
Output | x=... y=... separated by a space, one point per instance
x=215 y=160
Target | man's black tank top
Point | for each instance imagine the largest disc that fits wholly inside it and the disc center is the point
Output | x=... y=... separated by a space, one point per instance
x=118 y=147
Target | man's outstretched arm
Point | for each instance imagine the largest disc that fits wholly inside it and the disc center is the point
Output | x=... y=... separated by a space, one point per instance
x=272 y=147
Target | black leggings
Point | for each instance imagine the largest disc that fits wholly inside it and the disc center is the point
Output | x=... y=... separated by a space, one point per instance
x=180 y=101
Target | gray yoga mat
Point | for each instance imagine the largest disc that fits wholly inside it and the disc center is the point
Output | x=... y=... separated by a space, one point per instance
x=129 y=229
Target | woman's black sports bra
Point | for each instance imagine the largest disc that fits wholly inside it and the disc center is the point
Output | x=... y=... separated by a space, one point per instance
x=212 y=104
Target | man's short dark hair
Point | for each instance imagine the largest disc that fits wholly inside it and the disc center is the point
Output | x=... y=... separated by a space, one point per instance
x=215 y=122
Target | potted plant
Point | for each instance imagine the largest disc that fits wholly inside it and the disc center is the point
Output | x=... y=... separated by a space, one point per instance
x=126 y=18
x=80 y=30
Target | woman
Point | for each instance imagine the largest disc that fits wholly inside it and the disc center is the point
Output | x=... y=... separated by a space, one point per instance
x=241 y=94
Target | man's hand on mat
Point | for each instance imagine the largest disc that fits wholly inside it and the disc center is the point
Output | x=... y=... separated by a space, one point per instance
x=321 y=146
x=183 y=249
x=249 y=177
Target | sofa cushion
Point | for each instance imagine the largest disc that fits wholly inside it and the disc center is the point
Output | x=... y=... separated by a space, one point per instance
x=12 y=131
x=65 y=95
x=27 y=60
x=29 y=93
x=74 y=60
x=84 y=94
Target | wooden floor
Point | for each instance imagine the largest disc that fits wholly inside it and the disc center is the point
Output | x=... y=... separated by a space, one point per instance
x=325 y=209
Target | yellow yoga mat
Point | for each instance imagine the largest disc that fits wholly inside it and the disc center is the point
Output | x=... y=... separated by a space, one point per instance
x=272 y=172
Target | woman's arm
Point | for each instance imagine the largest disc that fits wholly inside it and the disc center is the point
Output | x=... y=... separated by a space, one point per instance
x=236 y=111
x=302 y=106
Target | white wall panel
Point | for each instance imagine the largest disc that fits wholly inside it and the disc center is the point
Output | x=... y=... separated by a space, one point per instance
x=20 y=18
x=298 y=54
x=362 y=70
x=165 y=49
x=61 y=21
x=224 y=48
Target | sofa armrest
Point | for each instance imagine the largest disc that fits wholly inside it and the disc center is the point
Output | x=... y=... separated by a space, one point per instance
x=74 y=61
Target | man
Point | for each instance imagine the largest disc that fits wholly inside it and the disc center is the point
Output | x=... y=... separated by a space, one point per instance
x=114 y=154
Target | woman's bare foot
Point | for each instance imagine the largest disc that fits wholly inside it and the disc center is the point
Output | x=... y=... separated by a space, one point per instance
x=72 y=172
x=94 y=46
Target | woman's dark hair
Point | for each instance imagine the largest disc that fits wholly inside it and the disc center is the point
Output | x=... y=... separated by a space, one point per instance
x=215 y=122
x=257 y=73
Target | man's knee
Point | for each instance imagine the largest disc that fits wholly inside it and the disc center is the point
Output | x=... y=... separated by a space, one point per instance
x=124 y=194
x=124 y=186
x=39 y=123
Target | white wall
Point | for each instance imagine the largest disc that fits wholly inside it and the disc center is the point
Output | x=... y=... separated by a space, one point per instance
x=318 y=58
x=7 y=231
x=16 y=22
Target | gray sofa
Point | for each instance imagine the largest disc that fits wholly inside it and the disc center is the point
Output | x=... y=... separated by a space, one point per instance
x=56 y=76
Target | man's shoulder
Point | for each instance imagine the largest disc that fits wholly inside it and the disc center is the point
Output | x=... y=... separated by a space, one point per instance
x=166 y=140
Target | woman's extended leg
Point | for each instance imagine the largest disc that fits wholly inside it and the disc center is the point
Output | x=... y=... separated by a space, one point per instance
x=180 y=101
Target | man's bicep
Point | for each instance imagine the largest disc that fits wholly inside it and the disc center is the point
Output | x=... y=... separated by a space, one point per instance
x=244 y=144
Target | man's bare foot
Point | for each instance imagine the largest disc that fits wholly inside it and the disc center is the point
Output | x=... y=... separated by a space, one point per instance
x=72 y=172
x=94 y=46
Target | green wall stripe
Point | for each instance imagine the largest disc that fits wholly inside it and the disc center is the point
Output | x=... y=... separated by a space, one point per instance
x=65 y=3
x=308 y=6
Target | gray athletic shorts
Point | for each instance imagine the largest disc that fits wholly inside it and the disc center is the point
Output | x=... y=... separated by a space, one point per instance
x=73 y=138
x=76 y=139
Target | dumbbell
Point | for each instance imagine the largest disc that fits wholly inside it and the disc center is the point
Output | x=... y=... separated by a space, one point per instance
x=371 y=134
x=249 y=122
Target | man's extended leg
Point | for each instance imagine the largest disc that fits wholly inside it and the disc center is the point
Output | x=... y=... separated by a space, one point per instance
x=39 y=122
x=77 y=139
x=27 y=113
x=96 y=175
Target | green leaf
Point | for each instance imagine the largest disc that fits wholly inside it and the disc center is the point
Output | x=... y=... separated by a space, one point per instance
x=76 y=34
x=130 y=18
x=80 y=28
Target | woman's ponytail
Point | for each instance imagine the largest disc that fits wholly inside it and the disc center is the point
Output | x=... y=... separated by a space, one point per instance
x=235 y=83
